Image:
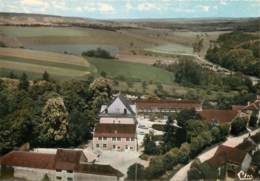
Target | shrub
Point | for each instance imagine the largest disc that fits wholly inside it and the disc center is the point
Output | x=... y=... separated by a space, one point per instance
x=100 y=53
x=156 y=168
x=171 y=158
x=136 y=171
x=238 y=125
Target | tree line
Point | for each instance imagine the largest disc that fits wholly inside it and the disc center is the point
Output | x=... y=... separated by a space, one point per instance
x=49 y=113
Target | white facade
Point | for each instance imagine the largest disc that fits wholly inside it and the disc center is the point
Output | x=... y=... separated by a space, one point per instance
x=33 y=174
x=116 y=120
x=115 y=143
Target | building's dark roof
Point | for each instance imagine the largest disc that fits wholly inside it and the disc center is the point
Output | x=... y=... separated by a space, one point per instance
x=217 y=115
x=29 y=159
x=167 y=104
x=115 y=130
x=68 y=159
x=99 y=169
x=227 y=154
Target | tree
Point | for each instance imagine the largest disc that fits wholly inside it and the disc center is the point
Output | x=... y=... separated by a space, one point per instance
x=253 y=119
x=238 y=125
x=185 y=115
x=149 y=145
x=24 y=83
x=136 y=172
x=80 y=126
x=188 y=72
x=171 y=158
x=46 y=76
x=198 y=44
x=184 y=153
x=156 y=168
x=195 y=128
x=54 y=127
x=4 y=104
x=103 y=74
x=46 y=178
x=169 y=134
x=224 y=131
x=12 y=75
x=216 y=134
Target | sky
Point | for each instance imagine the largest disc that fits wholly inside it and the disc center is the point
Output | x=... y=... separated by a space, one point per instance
x=129 y=9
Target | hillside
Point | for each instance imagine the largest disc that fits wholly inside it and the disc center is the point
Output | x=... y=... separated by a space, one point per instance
x=21 y=19
x=195 y=24
x=202 y=24
x=34 y=63
x=237 y=51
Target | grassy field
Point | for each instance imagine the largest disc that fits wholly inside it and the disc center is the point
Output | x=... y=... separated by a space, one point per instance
x=172 y=48
x=35 y=63
x=132 y=71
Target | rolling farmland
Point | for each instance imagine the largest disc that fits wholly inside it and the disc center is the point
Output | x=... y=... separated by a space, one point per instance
x=36 y=62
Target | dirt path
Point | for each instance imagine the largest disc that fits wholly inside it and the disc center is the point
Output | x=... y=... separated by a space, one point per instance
x=181 y=175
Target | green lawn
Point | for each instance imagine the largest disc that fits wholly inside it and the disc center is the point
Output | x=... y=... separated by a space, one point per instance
x=132 y=71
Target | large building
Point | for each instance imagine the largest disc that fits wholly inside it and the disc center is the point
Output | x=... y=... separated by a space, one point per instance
x=166 y=106
x=65 y=165
x=116 y=129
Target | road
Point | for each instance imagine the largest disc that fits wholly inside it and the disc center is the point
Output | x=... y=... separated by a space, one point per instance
x=181 y=175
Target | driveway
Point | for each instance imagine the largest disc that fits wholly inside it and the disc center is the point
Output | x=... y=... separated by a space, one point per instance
x=181 y=175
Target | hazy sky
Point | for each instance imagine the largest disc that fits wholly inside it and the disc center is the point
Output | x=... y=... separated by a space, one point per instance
x=106 y=9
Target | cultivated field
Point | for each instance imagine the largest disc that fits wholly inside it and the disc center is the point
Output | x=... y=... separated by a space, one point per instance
x=36 y=62
x=172 y=48
x=132 y=71
x=127 y=44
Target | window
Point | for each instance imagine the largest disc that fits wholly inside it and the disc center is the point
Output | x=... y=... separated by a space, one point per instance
x=99 y=138
x=58 y=178
x=106 y=111
x=69 y=179
x=114 y=139
x=58 y=170
x=126 y=147
x=104 y=145
x=104 y=138
x=69 y=171
x=131 y=148
x=125 y=111
x=114 y=146
x=97 y=145
x=132 y=139
x=118 y=139
x=127 y=139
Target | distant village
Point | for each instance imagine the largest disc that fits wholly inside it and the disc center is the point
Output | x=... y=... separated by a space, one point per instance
x=118 y=138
